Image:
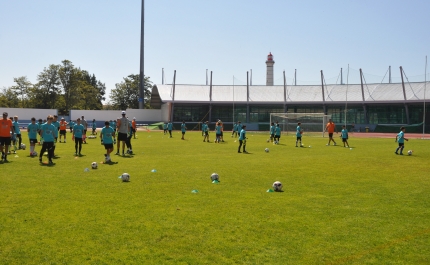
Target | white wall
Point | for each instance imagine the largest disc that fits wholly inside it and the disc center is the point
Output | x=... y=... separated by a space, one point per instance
x=27 y=114
x=141 y=115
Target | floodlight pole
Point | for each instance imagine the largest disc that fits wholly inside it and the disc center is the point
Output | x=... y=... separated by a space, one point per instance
x=142 y=45
x=424 y=110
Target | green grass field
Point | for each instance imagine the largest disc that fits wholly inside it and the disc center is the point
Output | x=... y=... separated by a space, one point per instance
x=363 y=205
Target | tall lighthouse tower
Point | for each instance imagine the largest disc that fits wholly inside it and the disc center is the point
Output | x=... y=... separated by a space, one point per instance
x=269 y=72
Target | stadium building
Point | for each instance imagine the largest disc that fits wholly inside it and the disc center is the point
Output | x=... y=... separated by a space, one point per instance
x=380 y=107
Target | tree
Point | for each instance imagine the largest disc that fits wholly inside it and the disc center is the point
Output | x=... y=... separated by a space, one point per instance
x=46 y=92
x=22 y=89
x=8 y=98
x=69 y=77
x=126 y=94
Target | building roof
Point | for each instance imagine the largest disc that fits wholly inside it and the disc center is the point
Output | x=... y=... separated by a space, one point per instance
x=372 y=93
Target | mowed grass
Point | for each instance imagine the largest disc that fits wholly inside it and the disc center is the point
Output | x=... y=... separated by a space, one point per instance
x=363 y=205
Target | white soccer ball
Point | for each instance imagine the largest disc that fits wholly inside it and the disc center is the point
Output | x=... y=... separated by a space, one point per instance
x=125 y=177
x=94 y=165
x=277 y=186
x=266 y=150
x=410 y=152
x=34 y=153
x=214 y=176
x=23 y=146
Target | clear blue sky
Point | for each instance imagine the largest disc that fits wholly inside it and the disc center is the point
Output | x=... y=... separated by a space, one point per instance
x=228 y=37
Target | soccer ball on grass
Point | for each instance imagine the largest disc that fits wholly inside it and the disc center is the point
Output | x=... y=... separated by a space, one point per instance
x=266 y=150
x=94 y=165
x=125 y=177
x=277 y=186
x=214 y=176
x=410 y=152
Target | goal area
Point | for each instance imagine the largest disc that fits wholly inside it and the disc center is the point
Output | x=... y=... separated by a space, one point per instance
x=310 y=122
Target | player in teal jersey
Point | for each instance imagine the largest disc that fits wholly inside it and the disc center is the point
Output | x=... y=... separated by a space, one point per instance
x=94 y=127
x=239 y=128
x=299 y=133
x=277 y=133
x=107 y=136
x=32 y=130
x=128 y=141
x=15 y=124
x=400 y=138
x=47 y=131
x=39 y=123
x=170 y=128
x=56 y=123
x=206 y=131
x=272 y=132
x=183 y=129
x=165 y=128
x=344 y=135
x=71 y=124
x=113 y=125
x=242 y=140
x=234 y=130
x=218 y=128
x=78 y=131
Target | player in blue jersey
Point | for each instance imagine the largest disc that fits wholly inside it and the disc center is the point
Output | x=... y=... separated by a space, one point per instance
x=299 y=132
x=234 y=130
x=277 y=133
x=218 y=128
x=15 y=124
x=272 y=131
x=206 y=131
x=40 y=123
x=238 y=128
x=170 y=128
x=32 y=130
x=78 y=132
x=71 y=124
x=242 y=140
x=183 y=129
x=400 y=138
x=107 y=136
x=56 y=123
x=344 y=135
x=129 y=136
x=94 y=127
x=165 y=128
x=47 y=131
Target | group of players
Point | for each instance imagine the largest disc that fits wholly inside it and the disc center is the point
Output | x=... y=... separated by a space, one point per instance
x=51 y=129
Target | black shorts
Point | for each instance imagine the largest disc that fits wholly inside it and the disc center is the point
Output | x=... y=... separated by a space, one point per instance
x=218 y=135
x=62 y=132
x=122 y=136
x=33 y=141
x=277 y=136
x=206 y=133
x=299 y=138
x=183 y=133
x=78 y=140
x=401 y=144
x=5 y=141
x=330 y=135
x=108 y=146
x=18 y=135
x=344 y=140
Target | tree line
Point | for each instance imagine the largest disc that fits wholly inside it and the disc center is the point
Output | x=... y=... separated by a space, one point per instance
x=65 y=87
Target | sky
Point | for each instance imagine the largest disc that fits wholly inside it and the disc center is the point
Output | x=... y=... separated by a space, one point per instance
x=227 y=37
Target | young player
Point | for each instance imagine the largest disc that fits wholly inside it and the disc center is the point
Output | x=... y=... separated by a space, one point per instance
x=40 y=123
x=107 y=136
x=344 y=135
x=17 y=131
x=170 y=128
x=56 y=123
x=400 y=138
x=32 y=130
x=222 y=130
x=218 y=132
x=84 y=133
x=238 y=128
x=128 y=141
x=123 y=131
x=234 y=131
x=331 y=128
x=5 y=134
x=242 y=139
x=12 y=138
x=94 y=127
x=277 y=133
x=165 y=128
x=71 y=124
x=299 y=132
x=63 y=129
x=78 y=131
x=206 y=131
x=272 y=131
x=183 y=129
x=47 y=132
x=134 y=127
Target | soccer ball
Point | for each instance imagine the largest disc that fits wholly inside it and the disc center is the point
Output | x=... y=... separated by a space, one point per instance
x=410 y=152
x=125 y=177
x=214 y=176
x=276 y=142
x=94 y=165
x=34 y=153
x=23 y=146
x=277 y=186
x=266 y=150
x=268 y=140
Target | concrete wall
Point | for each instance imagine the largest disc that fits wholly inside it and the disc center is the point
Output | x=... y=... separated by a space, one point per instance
x=25 y=115
x=143 y=116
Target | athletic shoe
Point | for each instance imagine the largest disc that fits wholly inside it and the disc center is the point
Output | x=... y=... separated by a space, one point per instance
x=50 y=162
x=117 y=153
x=40 y=159
x=334 y=143
x=327 y=144
x=64 y=141
x=245 y=152
x=396 y=153
x=239 y=151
